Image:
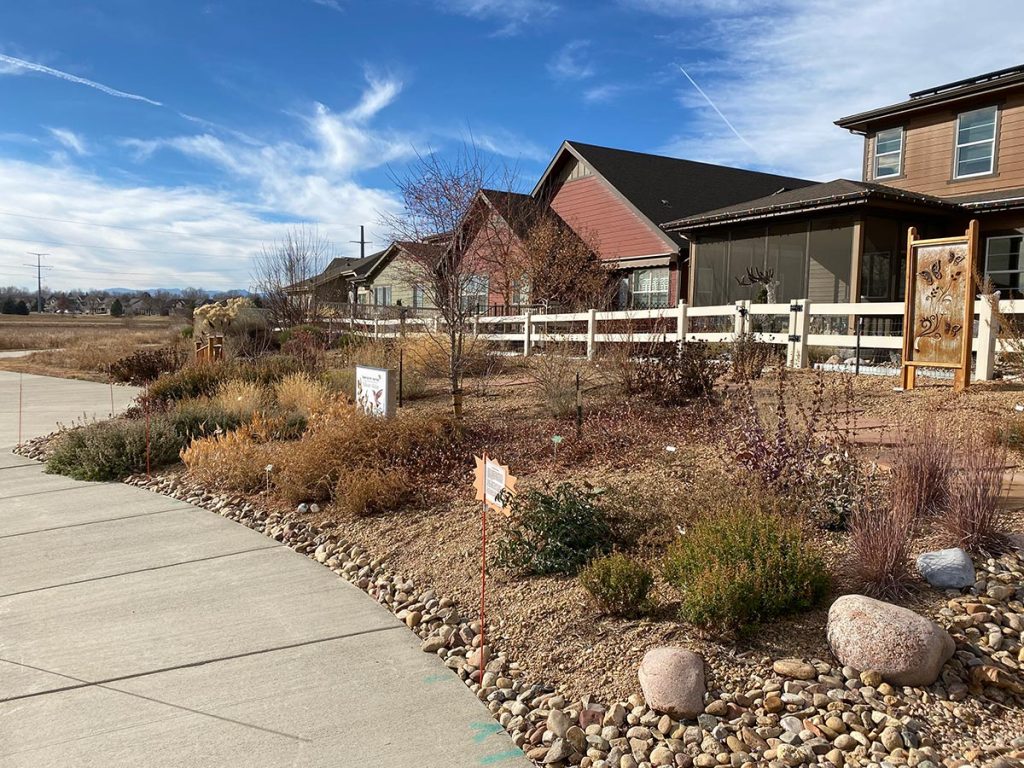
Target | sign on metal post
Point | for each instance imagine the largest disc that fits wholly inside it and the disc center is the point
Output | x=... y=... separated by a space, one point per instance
x=938 y=320
x=375 y=391
x=494 y=484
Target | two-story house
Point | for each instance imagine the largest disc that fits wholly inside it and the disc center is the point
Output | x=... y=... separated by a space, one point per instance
x=943 y=156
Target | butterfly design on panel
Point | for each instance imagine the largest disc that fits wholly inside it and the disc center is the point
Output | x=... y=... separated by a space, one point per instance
x=940 y=288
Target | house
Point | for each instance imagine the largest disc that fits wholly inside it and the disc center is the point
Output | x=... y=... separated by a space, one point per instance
x=344 y=280
x=618 y=200
x=934 y=161
x=396 y=283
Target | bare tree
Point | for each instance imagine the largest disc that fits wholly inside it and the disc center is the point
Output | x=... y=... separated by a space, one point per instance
x=284 y=275
x=562 y=268
x=437 y=200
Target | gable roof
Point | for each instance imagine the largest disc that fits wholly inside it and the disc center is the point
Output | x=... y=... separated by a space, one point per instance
x=941 y=95
x=665 y=189
x=823 y=196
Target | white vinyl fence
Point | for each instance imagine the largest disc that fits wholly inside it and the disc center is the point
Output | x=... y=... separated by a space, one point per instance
x=795 y=325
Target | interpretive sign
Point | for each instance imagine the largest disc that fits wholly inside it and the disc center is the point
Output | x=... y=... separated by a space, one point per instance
x=494 y=483
x=375 y=391
x=938 y=324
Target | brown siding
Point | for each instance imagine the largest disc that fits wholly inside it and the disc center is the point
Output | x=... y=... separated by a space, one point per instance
x=929 y=145
x=604 y=222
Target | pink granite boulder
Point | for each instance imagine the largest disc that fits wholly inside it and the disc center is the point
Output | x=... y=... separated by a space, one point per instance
x=906 y=648
x=672 y=681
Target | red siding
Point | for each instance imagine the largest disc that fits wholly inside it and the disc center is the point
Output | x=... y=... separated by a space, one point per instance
x=606 y=223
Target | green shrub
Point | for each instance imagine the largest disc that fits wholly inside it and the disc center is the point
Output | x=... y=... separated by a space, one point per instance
x=741 y=565
x=196 y=380
x=110 y=450
x=197 y=417
x=618 y=584
x=554 y=532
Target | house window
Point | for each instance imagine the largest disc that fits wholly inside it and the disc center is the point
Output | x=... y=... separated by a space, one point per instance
x=418 y=296
x=1003 y=265
x=648 y=288
x=888 y=153
x=975 y=142
x=382 y=295
x=475 y=293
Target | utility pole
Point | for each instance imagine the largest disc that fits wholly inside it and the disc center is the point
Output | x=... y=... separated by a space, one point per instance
x=39 y=278
x=362 y=241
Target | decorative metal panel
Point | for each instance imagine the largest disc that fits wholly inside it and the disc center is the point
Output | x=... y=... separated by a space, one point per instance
x=942 y=279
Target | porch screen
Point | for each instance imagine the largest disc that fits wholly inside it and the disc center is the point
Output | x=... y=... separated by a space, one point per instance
x=746 y=252
x=712 y=268
x=831 y=248
x=787 y=258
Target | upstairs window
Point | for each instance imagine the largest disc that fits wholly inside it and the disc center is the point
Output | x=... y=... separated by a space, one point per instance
x=975 y=142
x=888 y=153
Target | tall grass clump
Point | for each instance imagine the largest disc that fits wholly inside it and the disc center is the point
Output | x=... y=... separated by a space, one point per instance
x=880 y=543
x=111 y=450
x=301 y=393
x=921 y=469
x=971 y=519
x=232 y=461
x=241 y=398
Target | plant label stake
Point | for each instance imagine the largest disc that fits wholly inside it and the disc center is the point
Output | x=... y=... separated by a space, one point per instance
x=556 y=440
x=21 y=386
x=579 y=406
x=110 y=381
x=147 y=433
x=494 y=486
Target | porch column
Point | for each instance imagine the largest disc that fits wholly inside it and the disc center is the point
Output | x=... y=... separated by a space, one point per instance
x=681 y=323
x=988 y=334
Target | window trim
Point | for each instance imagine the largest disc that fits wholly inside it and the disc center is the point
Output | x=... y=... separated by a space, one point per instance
x=899 y=152
x=957 y=145
x=633 y=292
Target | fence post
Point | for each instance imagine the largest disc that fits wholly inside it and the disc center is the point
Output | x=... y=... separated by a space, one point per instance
x=476 y=326
x=988 y=333
x=740 y=321
x=528 y=334
x=799 y=312
x=591 y=333
x=681 y=323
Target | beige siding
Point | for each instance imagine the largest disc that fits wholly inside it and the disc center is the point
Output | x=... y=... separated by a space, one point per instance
x=398 y=275
x=929 y=143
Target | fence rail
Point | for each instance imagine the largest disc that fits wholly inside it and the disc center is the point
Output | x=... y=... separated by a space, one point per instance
x=684 y=323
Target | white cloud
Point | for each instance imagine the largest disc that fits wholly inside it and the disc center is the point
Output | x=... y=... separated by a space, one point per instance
x=70 y=140
x=513 y=14
x=334 y=5
x=195 y=235
x=572 y=62
x=785 y=74
x=11 y=63
x=601 y=93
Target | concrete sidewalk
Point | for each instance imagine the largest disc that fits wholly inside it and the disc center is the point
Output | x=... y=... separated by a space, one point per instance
x=138 y=630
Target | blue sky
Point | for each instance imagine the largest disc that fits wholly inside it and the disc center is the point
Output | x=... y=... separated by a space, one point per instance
x=158 y=144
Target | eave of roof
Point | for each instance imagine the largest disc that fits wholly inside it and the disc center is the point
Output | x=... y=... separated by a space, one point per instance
x=830 y=195
x=860 y=121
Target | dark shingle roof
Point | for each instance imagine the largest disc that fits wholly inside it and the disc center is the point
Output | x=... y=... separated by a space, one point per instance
x=667 y=188
x=930 y=98
x=827 y=194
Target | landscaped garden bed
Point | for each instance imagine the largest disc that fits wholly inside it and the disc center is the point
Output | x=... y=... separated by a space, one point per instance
x=698 y=518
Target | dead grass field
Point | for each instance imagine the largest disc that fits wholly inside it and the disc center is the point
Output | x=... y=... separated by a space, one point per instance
x=79 y=346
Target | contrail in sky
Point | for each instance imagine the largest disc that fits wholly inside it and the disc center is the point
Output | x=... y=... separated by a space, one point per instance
x=33 y=67
x=715 y=107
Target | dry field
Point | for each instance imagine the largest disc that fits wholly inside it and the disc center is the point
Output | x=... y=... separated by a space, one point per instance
x=79 y=346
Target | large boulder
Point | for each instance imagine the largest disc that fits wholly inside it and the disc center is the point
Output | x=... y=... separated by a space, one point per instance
x=672 y=681
x=946 y=568
x=907 y=649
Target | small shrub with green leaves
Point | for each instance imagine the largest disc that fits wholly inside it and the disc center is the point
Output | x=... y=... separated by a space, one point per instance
x=557 y=532
x=744 y=564
x=196 y=380
x=619 y=585
x=110 y=450
x=202 y=416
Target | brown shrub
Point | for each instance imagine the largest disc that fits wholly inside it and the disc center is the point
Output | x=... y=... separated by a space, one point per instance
x=301 y=393
x=971 y=516
x=241 y=398
x=553 y=380
x=233 y=461
x=371 y=491
x=342 y=439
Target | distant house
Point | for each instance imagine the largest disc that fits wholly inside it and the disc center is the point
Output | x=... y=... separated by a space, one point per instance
x=617 y=200
x=943 y=156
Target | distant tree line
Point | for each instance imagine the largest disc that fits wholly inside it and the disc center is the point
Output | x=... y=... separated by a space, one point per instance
x=21 y=301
